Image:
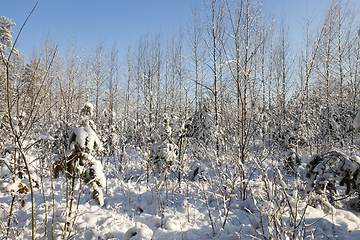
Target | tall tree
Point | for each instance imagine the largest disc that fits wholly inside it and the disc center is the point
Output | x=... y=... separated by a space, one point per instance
x=196 y=55
x=99 y=74
x=213 y=37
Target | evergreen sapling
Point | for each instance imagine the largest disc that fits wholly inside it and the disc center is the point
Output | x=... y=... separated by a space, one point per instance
x=83 y=143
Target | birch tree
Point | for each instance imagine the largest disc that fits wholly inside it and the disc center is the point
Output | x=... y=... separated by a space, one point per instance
x=99 y=74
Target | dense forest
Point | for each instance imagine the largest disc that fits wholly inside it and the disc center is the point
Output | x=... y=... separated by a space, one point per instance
x=226 y=120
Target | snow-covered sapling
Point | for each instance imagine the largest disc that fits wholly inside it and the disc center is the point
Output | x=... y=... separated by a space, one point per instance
x=329 y=172
x=163 y=153
x=292 y=160
x=83 y=143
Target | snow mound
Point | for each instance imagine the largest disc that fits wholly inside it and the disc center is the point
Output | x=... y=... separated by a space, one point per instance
x=88 y=109
x=84 y=137
x=140 y=232
x=97 y=167
x=356 y=123
x=198 y=170
x=45 y=136
x=173 y=224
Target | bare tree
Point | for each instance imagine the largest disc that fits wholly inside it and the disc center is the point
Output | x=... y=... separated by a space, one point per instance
x=20 y=132
x=129 y=76
x=283 y=62
x=99 y=74
x=307 y=65
x=244 y=51
x=196 y=56
x=213 y=37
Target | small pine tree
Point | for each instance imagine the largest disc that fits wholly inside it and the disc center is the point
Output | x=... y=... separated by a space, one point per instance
x=332 y=174
x=163 y=153
x=200 y=126
x=292 y=161
x=83 y=143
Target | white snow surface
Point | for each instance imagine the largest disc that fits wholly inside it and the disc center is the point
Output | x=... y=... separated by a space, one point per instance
x=135 y=208
x=140 y=232
x=90 y=107
x=98 y=171
x=45 y=136
x=187 y=218
x=86 y=138
x=356 y=123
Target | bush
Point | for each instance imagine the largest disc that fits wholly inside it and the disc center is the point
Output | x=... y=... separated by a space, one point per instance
x=333 y=174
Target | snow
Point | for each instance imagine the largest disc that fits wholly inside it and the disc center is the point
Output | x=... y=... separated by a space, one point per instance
x=133 y=208
x=6 y=32
x=140 y=232
x=16 y=129
x=4 y=167
x=88 y=109
x=125 y=222
x=98 y=172
x=85 y=137
x=10 y=187
x=356 y=123
x=198 y=170
x=45 y=136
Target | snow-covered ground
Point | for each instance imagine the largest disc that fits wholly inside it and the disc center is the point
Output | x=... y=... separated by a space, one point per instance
x=135 y=208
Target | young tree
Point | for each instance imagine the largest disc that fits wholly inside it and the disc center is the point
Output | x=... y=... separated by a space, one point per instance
x=214 y=37
x=163 y=153
x=6 y=45
x=83 y=143
x=282 y=78
x=247 y=36
x=6 y=33
x=196 y=57
x=111 y=100
x=99 y=74
x=308 y=62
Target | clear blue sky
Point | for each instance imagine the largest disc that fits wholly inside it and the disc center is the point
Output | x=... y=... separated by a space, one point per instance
x=121 y=20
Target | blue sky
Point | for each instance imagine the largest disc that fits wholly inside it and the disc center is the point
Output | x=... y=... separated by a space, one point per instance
x=120 y=20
